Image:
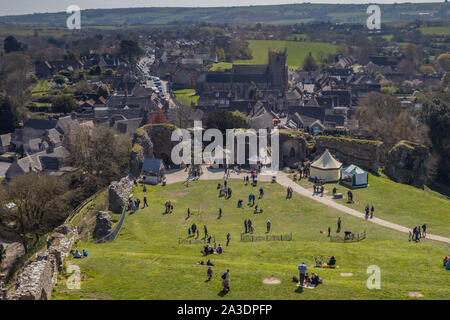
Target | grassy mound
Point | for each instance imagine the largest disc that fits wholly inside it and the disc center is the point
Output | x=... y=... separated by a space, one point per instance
x=146 y=261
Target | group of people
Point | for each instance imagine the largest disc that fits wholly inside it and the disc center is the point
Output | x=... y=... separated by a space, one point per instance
x=289 y=192
x=447 y=262
x=217 y=249
x=77 y=255
x=248 y=225
x=418 y=232
x=169 y=206
x=319 y=189
x=371 y=210
x=304 y=279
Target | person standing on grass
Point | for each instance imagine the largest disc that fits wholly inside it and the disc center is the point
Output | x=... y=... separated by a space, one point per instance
x=226 y=280
x=205 y=229
x=372 y=209
x=302 y=271
x=189 y=212
x=209 y=273
x=410 y=235
x=228 y=239
x=145 y=203
x=268 y=225
x=329 y=231
x=339 y=222
x=245 y=225
x=220 y=213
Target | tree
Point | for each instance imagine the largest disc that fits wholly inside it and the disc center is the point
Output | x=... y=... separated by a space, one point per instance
x=158 y=117
x=436 y=114
x=309 y=64
x=224 y=120
x=130 y=49
x=15 y=78
x=10 y=44
x=38 y=208
x=383 y=117
x=100 y=152
x=9 y=119
x=64 y=103
x=103 y=91
x=444 y=61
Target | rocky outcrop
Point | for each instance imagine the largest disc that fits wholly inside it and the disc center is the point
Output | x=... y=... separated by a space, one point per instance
x=103 y=225
x=38 y=278
x=118 y=192
x=408 y=163
x=363 y=153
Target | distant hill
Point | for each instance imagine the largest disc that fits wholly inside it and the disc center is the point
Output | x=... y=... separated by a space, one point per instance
x=275 y=14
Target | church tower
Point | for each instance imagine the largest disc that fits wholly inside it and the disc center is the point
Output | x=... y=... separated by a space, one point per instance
x=278 y=69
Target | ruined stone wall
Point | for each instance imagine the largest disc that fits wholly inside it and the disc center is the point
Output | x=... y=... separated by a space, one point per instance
x=118 y=192
x=38 y=277
x=363 y=153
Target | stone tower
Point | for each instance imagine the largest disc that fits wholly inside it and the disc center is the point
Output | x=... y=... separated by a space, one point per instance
x=278 y=69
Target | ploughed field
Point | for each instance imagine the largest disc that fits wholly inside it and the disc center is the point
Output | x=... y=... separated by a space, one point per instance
x=147 y=261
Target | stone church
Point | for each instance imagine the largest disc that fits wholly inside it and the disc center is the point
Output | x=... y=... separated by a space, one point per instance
x=248 y=82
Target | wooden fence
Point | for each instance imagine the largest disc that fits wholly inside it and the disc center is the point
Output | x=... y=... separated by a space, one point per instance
x=249 y=237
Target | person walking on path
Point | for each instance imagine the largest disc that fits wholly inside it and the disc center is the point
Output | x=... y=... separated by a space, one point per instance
x=302 y=271
x=410 y=235
x=268 y=224
x=372 y=209
x=228 y=239
x=367 y=212
x=424 y=230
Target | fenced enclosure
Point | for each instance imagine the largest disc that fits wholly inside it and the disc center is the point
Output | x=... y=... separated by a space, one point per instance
x=196 y=241
x=349 y=238
x=250 y=237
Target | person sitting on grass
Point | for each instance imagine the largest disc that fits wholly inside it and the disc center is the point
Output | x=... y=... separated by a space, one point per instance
x=239 y=204
x=77 y=255
x=331 y=262
x=219 y=249
x=315 y=280
x=85 y=254
x=209 y=263
x=446 y=260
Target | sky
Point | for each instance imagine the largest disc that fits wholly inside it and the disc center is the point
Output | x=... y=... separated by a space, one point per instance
x=13 y=7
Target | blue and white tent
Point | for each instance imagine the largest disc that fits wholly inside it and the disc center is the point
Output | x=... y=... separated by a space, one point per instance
x=354 y=177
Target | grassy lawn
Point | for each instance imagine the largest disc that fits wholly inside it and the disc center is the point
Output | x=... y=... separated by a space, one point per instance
x=146 y=261
x=186 y=96
x=398 y=203
x=221 y=66
x=296 y=51
x=41 y=89
x=435 y=30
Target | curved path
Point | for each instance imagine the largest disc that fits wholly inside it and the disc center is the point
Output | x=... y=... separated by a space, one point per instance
x=173 y=176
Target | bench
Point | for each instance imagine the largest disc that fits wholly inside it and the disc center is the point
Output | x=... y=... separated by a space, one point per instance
x=338 y=196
